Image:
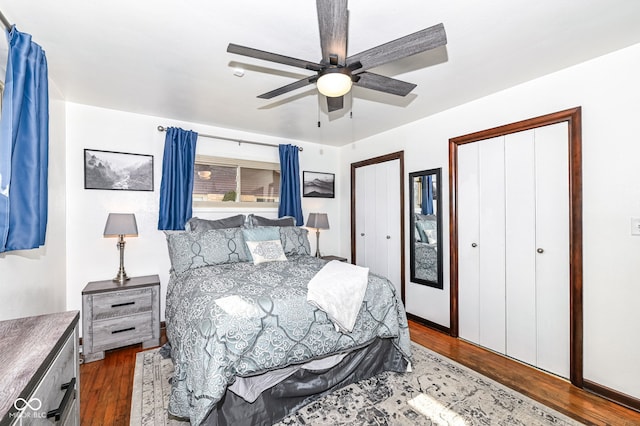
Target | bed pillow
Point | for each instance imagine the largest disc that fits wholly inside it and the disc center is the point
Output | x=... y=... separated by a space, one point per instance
x=266 y=251
x=295 y=240
x=261 y=233
x=421 y=232
x=432 y=236
x=191 y=250
x=197 y=224
x=429 y=221
x=254 y=221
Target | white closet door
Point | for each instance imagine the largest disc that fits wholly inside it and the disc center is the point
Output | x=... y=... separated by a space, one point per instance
x=520 y=233
x=492 y=244
x=552 y=238
x=364 y=194
x=391 y=200
x=378 y=217
x=379 y=211
x=468 y=204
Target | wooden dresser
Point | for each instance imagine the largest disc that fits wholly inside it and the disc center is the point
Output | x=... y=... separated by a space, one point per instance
x=115 y=315
x=39 y=370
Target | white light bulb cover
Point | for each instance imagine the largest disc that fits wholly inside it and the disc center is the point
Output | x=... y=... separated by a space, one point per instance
x=334 y=84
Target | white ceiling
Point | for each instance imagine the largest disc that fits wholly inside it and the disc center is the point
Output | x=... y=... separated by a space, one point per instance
x=168 y=58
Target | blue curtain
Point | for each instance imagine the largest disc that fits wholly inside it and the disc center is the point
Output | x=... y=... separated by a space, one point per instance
x=177 y=178
x=427 y=195
x=24 y=146
x=290 y=202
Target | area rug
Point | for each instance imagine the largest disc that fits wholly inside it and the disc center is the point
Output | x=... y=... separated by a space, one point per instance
x=438 y=392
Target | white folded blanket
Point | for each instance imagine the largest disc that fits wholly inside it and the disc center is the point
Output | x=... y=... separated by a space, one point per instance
x=338 y=289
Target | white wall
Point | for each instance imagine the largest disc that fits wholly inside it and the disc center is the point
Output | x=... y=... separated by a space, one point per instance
x=90 y=257
x=607 y=89
x=33 y=282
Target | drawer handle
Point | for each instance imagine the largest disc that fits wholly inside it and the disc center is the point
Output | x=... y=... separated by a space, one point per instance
x=117 y=305
x=70 y=389
x=123 y=330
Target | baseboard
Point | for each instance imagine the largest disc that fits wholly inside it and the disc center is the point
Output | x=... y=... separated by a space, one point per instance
x=612 y=395
x=430 y=324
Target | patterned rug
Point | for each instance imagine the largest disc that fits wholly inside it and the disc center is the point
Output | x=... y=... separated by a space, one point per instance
x=438 y=392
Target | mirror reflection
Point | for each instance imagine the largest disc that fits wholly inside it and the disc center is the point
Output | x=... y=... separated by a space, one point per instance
x=426 y=228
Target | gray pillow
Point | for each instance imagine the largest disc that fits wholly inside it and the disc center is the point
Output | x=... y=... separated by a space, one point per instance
x=295 y=240
x=191 y=250
x=254 y=221
x=197 y=224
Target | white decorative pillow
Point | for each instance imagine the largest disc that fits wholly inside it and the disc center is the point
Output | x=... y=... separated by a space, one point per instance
x=266 y=251
x=432 y=236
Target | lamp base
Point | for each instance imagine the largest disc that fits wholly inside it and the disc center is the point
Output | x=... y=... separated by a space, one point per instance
x=318 y=243
x=121 y=277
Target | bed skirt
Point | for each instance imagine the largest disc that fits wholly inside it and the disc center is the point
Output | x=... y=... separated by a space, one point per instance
x=305 y=386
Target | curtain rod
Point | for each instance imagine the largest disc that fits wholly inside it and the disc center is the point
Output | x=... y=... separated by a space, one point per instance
x=239 y=141
x=5 y=22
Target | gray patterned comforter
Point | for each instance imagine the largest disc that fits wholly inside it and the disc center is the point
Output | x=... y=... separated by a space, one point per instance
x=242 y=319
x=426 y=258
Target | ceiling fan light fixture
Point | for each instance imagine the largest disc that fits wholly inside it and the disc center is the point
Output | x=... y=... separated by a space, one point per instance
x=334 y=82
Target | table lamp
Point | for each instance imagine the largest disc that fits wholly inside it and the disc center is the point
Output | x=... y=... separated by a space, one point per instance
x=318 y=221
x=121 y=225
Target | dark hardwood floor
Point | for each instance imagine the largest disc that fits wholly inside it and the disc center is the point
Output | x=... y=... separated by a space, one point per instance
x=106 y=386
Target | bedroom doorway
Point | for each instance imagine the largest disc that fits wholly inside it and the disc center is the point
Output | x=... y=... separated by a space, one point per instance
x=377 y=217
x=459 y=175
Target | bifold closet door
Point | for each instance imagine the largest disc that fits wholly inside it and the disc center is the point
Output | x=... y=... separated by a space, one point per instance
x=552 y=249
x=537 y=248
x=365 y=218
x=513 y=246
x=378 y=219
x=388 y=219
x=468 y=204
x=520 y=240
x=481 y=243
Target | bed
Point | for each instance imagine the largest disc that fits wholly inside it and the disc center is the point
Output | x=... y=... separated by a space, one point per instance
x=246 y=345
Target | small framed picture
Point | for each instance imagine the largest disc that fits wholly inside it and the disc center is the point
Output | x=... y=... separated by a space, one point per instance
x=117 y=171
x=318 y=185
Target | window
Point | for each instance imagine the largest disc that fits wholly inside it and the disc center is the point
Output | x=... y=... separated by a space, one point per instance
x=230 y=182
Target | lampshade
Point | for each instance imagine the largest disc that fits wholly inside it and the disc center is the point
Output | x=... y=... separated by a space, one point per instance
x=318 y=221
x=334 y=83
x=121 y=224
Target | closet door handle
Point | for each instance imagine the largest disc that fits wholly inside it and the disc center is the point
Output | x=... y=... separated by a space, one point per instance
x=362 y=234
x=388 y=237
x=540 y=250
x=474 y=245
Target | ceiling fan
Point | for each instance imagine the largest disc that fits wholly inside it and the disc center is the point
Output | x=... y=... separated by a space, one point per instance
x=336 y=72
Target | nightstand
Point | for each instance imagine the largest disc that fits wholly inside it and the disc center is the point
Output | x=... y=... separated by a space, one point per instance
x=330 y=258
x=115 y=315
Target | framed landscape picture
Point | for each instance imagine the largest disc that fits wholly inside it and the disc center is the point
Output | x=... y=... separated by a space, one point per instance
x=117 y=170
x=319 y=185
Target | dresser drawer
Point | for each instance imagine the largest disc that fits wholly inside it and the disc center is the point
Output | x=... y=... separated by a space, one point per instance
x=58 y=390
x=121 y=303
x=123 y=331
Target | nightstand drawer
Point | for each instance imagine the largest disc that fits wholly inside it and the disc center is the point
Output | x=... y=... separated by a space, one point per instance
x=116 y=332
x=121 y=303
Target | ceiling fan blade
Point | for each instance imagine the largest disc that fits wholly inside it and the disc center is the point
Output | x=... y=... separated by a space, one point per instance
x=273 y=57
x=289 y=87
x=418 y=42
x=334 y=104
x=333 y=22
x=384 y=84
